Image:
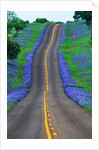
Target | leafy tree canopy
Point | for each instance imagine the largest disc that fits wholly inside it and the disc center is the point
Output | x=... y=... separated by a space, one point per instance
x=14 y=22
x=59 y=22
x=10 y=15
x=77 y=15
x=41 y=20
x=87 y=15
x=13 y=49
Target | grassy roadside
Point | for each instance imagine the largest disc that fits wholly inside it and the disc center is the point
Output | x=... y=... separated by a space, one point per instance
x=18 y=78
x=26 y=49
x=78 y=55
x=79 y=47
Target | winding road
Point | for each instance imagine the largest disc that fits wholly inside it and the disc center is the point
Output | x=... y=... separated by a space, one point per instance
x=46 y=112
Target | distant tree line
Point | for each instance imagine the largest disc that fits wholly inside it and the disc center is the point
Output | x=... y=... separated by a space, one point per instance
x=40 y=20
x=43 y=20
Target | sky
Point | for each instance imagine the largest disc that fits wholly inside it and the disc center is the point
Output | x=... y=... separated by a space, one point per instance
x=63 y=16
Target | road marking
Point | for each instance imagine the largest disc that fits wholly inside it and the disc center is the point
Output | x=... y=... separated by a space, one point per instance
x=54 y=133
x=48 y=124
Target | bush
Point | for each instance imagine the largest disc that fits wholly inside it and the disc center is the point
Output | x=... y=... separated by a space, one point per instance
x=9 y=26
x=68 y=21
x=13 y=49
x=19 y=26
x=41 y=20
x=16 y=23
x=87 y=15
x=59 y=22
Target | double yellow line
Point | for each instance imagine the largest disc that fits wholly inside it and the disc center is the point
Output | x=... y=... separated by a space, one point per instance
x=48 y=124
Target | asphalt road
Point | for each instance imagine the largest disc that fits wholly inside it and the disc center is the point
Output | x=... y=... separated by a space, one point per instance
x=26 y=120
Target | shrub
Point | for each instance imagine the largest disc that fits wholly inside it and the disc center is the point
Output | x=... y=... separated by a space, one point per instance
x=41 y=20
x=13 y=49
x=59 y=22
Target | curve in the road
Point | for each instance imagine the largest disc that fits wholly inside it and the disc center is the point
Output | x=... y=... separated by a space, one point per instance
x=48 y=123
x=64 y=118
x=69 y=119
x=26 y=118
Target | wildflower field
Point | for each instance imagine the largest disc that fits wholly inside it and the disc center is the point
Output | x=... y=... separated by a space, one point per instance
x=19 y=70
x=75 y=62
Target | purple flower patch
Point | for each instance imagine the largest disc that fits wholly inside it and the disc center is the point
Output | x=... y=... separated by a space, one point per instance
x=79 y=96
x=71 y=87
x=16 y=93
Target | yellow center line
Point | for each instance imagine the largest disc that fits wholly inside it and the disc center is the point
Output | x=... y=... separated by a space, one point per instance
x=46 y=111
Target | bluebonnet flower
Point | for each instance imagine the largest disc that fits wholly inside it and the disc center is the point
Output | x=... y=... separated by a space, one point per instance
x=71 y=87
x=65 y=71
x=85 y=75
x=79 y=96
x=63 y=38
x=89 y=80
x=79 y=29
x=16 y=93
x=24 y=35
x=12 y=70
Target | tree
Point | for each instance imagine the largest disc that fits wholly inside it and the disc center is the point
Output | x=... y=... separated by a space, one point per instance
x=77 y=15
x=19 y=24
x=59 y=22
x=9 y=26
x=27 y=21
x=14 y=22
x=87 y=15
x=13 y=49
x=11 y=20
x=41 y=20
x=10 y=15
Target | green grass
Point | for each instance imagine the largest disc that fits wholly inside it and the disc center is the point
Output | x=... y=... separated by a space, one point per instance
x=88 y=108
x=10 y=106
x=27 y=48
x=85 y=48
x=78 y=47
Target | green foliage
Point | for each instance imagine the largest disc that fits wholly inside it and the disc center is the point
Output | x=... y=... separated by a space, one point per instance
x=88 y=108
x=10 y=106
x=10 y=15
x=71 y=49
x=13 y=49
x=68 y=21
x=19 y=24
x=79 y=48
x=27 y=48
x=90 y=43
x=9 y=26
x=87 y=15
x=11 y=33
x=14 y=22
x=59 y=22
x=41 y=20
x=77 y=15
